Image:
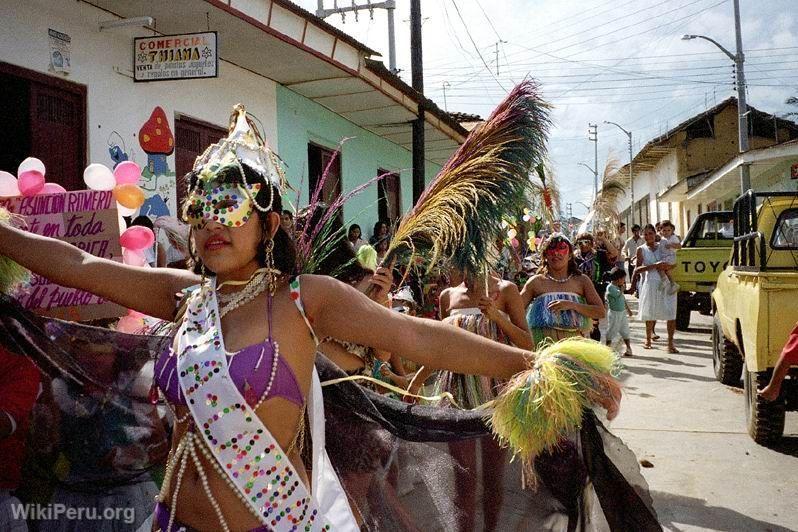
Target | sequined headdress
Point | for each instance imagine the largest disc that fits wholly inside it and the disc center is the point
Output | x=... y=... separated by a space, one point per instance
x=220 y=189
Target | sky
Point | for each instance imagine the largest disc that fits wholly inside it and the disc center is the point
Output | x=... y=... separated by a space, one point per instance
x=595 y=60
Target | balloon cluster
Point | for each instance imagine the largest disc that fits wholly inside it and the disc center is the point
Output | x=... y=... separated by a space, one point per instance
x=123 y=181
x=29 y=180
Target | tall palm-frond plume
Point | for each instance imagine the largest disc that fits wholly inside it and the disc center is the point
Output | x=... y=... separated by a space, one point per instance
x=545 y=193
x=459 y=215
x=607 y=201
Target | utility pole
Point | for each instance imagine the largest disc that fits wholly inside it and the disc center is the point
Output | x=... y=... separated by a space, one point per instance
x=592 y=135
x=417 y=71
x=742 y=104
x=388 y=5
x=496 y=50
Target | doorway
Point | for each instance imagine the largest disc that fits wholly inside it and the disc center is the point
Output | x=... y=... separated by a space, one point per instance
x=45 y=117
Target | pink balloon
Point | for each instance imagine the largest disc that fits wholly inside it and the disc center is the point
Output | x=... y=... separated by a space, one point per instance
x=52 y=188
x=127 y=172
x=8 y=185
x=30 y=182
x=133 y=257
x=515 y=242
x=137 y=238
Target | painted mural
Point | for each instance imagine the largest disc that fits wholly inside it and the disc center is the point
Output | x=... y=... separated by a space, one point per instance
x=157 y=179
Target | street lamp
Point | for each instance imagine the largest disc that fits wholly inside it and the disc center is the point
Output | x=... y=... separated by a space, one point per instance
x=631 y=175
x=742 y=106
x=594 y=171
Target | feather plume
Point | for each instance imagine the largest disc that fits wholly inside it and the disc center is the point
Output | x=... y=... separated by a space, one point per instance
x=605 y=205
x=459 y=214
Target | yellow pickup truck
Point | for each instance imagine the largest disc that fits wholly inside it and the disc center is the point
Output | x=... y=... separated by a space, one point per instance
x=756 y=306
x=704 y=255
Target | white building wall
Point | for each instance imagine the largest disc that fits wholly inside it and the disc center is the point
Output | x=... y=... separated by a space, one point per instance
x=117 y=107
x=653 y=182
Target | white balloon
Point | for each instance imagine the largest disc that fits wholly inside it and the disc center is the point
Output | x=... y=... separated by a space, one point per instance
x=124 y=211
x=31 y=163
x=99 y=177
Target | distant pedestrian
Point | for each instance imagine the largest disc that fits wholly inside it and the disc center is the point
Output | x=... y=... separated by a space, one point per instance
x=630 y=254
x=655 y=304
x=618 y=310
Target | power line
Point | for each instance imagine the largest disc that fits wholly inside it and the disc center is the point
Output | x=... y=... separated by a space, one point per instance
x=468 y=33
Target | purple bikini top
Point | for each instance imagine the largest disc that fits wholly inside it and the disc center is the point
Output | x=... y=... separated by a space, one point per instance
x=250 y=369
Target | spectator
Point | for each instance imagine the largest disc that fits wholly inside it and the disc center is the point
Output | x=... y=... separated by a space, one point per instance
x=787 y=358
x=618 y=242
x=380 y=232
x=668 y=246
x=619 y=312
x=630 y=254
x=655 y=304
x=19 y=386
x=287 y=221
x=382 y=249
x=156 y=254
x=604 y=246
x=353 y=237
x=594 y=263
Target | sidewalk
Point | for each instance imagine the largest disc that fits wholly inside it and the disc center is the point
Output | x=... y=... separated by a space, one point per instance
x=707 y=473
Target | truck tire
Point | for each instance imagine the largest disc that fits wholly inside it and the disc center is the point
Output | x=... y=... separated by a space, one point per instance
x=683 y=310
x=765 y=420
x=726 y=359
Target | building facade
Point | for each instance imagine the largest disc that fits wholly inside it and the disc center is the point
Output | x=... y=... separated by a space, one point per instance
x=669 y=169
x=69 y=90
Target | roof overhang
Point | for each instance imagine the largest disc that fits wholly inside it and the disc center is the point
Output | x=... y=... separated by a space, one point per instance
x=761 y=162
x=280 y=41
x=674 y=193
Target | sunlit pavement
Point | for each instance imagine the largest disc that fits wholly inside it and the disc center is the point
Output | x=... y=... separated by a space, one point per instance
x=705 y=472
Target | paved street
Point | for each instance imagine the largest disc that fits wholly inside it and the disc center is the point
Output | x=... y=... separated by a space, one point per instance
x=707 y=473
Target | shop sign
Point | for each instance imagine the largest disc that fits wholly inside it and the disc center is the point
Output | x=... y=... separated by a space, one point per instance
x=60 y=51
x=86 y=219
x=169 y=57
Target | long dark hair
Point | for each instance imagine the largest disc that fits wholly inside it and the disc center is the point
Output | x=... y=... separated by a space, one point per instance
x=284 y=252
x=556 y=238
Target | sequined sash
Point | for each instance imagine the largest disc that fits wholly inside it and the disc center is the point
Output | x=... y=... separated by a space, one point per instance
x=242 y=445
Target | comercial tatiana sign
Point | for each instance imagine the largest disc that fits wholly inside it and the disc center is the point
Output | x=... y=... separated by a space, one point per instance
x=187 y=56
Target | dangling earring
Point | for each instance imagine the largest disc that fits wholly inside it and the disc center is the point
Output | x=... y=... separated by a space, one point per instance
x=268 y=264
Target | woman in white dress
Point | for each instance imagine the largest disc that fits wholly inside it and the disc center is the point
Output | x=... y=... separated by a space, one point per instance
x=655 y=303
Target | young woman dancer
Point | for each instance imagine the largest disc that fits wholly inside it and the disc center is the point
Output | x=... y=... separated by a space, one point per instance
x=240 y=373
x=563 y=300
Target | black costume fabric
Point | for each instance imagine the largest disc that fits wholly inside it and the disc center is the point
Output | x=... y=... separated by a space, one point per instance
x=405 y=467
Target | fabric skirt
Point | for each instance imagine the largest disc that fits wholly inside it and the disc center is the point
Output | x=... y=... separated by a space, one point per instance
x=655 y=303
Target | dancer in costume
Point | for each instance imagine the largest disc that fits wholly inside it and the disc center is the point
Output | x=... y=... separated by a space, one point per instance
x=563 y=300
x=498 y=315
x=240 y=373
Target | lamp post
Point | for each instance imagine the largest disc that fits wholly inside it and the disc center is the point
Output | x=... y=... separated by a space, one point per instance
x=742 y=106
x=631 y=175
x=593 y=171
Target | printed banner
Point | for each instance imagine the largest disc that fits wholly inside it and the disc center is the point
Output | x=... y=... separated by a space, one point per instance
x=188 y=56
x=86 y=219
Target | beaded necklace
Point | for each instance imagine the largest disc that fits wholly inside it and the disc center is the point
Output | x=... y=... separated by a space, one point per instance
x=560 y=281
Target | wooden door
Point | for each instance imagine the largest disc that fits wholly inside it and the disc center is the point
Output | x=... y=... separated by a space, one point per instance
x=319 y=158
x=45 y=118
x=191 y=139
x=389 y=197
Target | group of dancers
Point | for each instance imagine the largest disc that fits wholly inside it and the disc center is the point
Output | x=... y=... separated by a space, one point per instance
x=254 y=442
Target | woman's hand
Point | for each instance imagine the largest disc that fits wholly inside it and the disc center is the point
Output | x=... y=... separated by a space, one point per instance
x=559 y=305
x=382 y=280
x=487 y=307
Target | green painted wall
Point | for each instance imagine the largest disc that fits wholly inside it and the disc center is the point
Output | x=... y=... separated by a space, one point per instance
x=300 y=121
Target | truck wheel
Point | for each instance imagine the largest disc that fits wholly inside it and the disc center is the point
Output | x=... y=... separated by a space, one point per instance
x=726 y=360
x=765 y=420
x=683 y=311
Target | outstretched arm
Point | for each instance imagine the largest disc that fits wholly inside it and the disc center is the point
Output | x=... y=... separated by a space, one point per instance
x=147 y=290
x=426 y=342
